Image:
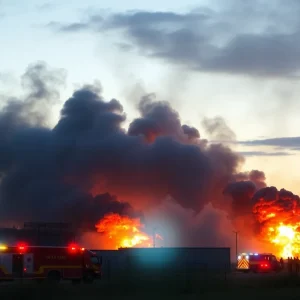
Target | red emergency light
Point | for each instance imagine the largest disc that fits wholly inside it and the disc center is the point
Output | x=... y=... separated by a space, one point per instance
x=74 y=248
x=264 y=265
x=22 y=247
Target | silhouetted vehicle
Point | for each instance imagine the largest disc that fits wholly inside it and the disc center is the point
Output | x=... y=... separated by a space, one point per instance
x=258 y=262
x=51 y=263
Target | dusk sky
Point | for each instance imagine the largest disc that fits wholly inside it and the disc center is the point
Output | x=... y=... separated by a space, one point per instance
x=237 y=59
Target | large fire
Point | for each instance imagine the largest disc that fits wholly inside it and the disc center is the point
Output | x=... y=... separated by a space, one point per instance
x=124 y=232
x=279 y=219
x=286 y=239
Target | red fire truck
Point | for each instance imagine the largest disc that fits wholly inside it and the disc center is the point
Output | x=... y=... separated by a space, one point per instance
x=52 y=263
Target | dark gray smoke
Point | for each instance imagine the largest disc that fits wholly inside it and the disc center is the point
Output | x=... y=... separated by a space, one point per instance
x=217 y=129
x=256 y=207
x=64 y=173
x=270 y=204
x=242 y=190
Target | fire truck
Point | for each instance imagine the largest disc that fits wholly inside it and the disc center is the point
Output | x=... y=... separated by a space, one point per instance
x=258 y=262
x=52 y=263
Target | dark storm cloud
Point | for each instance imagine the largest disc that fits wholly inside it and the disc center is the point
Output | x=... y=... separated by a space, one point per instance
x=257 y=38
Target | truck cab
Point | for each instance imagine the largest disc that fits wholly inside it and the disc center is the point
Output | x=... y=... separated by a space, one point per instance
x=264 y=262
x=92 y=264
x=258 y=262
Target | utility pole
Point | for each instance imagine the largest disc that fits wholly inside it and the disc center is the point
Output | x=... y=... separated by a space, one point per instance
x=154 y=236
x=236 y=244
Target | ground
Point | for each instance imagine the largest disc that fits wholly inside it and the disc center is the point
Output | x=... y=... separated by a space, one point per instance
x=234 y=285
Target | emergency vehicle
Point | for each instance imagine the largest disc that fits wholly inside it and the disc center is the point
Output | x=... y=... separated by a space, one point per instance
x=52 y=263
x=258 y=262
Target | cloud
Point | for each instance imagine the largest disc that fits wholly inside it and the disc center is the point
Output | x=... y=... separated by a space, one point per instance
x=256 y=38
x=46 y=6
x=74 y=27
x=262 y=153
x=292 y=143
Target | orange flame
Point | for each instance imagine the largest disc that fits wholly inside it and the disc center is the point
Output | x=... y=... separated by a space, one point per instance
x=283 y=235
x=279 y=220
x=124 y=232
x=285 y=238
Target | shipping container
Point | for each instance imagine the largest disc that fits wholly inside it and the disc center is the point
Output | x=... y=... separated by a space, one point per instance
x=200 y=259
x=113 y=261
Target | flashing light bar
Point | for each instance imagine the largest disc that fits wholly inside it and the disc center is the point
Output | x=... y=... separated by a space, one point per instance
x=250 y=253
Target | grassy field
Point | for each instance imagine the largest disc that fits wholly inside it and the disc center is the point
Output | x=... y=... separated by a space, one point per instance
x=247 y=286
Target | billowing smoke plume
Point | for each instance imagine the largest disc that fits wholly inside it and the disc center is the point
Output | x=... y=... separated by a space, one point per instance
x=242 y=189
x=238 y=195
x=271 y=205
x=65 y=173
x=257 y=209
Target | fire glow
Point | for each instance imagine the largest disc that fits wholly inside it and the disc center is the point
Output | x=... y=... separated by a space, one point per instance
x=278 y=215
x=286 y=239
x=124 y=232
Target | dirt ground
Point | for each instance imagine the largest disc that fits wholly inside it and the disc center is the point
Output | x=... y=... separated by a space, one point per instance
x=236 y=285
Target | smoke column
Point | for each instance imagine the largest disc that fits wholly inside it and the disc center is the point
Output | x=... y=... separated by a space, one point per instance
x=87 y=165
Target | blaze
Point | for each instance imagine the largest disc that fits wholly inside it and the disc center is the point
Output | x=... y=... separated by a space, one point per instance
x=285 y=238
x=278 y=216
x=124 y=232
x=282 y=233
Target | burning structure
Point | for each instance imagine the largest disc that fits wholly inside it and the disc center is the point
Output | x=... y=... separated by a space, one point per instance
x=89 y=171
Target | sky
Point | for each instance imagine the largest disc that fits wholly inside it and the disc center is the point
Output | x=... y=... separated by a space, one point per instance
x=234 y=59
